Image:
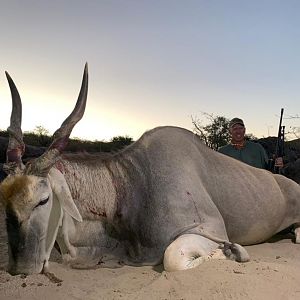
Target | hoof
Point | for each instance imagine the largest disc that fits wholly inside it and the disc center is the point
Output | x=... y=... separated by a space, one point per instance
x=236 y=252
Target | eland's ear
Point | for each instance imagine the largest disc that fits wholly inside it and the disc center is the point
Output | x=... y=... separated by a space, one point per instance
x=62 y=192
x=55 y=220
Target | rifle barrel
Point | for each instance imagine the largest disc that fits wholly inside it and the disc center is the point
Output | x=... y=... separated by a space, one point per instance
x=280 y=141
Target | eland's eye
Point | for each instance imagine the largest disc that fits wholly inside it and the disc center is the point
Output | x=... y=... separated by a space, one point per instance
x=42 y=202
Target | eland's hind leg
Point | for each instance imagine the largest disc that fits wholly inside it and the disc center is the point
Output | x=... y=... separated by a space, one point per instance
x=297 y=233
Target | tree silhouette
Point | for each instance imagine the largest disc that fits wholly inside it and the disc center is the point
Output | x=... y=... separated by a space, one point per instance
x=215 y=134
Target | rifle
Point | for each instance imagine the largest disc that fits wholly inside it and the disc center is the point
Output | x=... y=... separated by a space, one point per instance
x=279 y=150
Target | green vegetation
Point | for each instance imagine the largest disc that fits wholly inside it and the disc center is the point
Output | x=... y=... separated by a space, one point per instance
x=40 y=138
x=215 y=133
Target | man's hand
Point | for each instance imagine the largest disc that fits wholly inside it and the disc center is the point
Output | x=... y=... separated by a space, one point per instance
x=279 y=162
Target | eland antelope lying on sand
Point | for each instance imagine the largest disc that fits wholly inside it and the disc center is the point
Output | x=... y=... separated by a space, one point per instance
x=166 y=198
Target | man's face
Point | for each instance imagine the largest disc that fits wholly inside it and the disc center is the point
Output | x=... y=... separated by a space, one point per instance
x=237 y=132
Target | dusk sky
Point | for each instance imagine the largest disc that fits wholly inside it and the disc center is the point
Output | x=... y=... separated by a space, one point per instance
x=151 y=63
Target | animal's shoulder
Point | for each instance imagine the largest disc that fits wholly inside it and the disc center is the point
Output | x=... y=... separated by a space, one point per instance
x=166 y=133
x=169 y=140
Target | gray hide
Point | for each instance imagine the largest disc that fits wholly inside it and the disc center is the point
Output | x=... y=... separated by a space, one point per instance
x=136 y=202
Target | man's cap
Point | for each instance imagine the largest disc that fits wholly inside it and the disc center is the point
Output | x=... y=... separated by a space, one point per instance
x=235 y=121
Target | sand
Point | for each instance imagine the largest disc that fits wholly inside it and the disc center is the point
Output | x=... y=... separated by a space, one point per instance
x=272 y=273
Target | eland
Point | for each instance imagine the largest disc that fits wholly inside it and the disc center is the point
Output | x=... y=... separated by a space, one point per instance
x=167 y=198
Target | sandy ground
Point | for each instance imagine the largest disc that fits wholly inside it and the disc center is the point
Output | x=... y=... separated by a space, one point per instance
x=272 y=273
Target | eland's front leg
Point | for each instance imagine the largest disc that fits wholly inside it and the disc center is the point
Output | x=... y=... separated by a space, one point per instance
x=190 y=250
